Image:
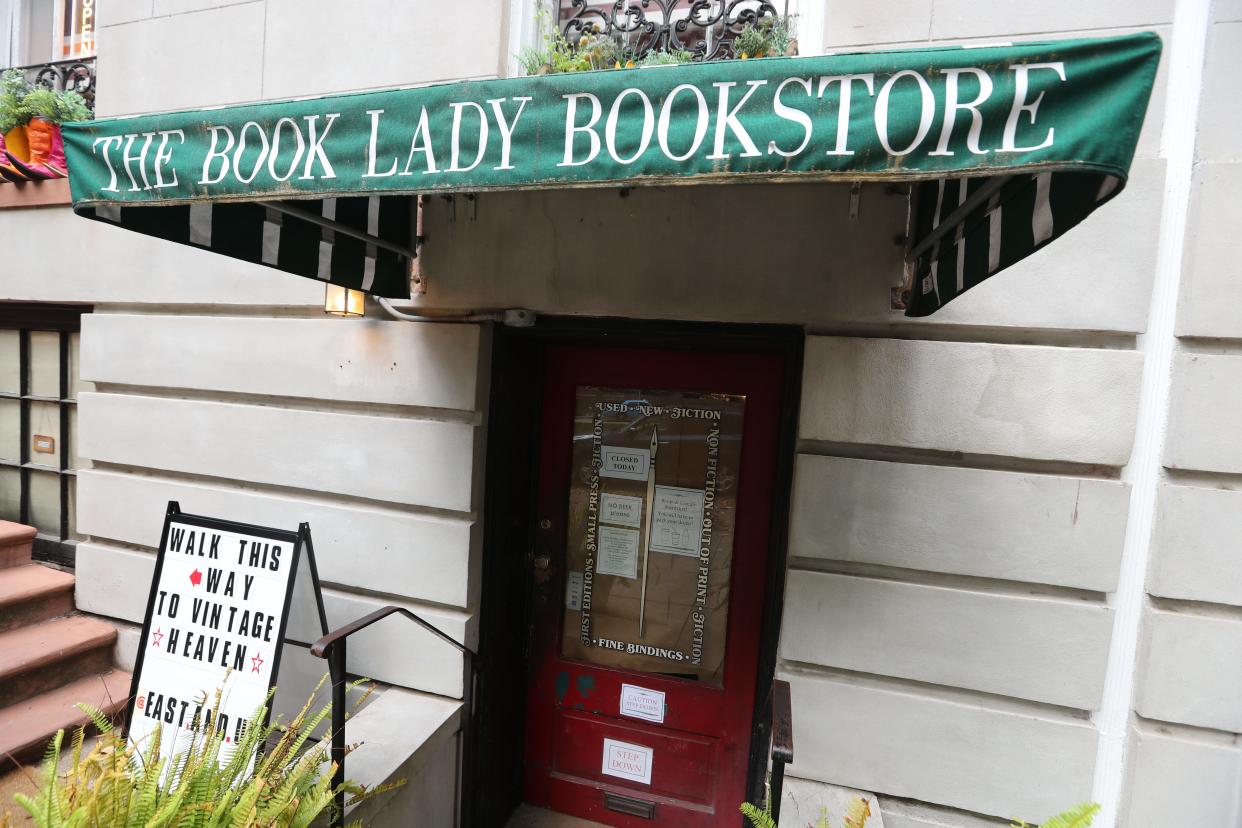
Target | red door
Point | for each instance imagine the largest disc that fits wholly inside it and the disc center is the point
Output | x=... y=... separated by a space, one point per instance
x=655 y=486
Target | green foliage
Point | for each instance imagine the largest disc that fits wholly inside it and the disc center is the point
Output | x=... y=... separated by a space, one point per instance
x=555 y=54
x=57 y=107
x=21 y=101
x=759 y=817
x=1080 y=816
x=120 y=785
x=661 y=57
x=13 y=89
x=769 y=37
x=856 y=815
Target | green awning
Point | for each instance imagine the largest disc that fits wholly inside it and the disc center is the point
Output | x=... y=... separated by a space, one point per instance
x=1006 y=147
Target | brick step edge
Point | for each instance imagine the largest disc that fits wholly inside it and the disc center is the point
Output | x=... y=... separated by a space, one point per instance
x=41 y=657
x=27 y=727
x=33 y=593
x=16 y=544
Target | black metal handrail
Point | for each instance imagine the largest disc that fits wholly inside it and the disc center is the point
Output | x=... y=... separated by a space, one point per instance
x=782 y=743
x=332 y=647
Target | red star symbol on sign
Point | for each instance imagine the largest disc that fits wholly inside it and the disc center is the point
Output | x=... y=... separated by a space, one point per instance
x=196 y=577
x=256 y=661
x=157 y=637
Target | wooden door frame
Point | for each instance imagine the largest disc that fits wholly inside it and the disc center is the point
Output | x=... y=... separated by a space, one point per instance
x=493 y=781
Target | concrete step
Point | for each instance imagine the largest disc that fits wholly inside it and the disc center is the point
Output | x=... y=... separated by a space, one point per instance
x=33 y=593
x=44 y=656
x=26 y=727
x=16 y=541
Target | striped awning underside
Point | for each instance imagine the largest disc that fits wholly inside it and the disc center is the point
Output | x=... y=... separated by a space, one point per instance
x=274 y=233
x=983 y=225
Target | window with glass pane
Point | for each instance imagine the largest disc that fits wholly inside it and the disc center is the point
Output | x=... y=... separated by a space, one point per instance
x=75 y=28
x=41 y=31
x=39 y=386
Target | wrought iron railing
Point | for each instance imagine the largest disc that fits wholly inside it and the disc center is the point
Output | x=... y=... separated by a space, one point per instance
x=782 y=743
x=332 y=648
x=704 y=28
x=77 y=75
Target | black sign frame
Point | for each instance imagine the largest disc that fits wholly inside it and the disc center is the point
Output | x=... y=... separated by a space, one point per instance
x=299 y=540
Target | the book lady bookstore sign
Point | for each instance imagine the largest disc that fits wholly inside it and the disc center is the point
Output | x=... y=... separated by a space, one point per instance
x=215 y=620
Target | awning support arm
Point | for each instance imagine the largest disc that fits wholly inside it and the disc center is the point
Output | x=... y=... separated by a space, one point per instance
x=343 y=229
x=959 y=215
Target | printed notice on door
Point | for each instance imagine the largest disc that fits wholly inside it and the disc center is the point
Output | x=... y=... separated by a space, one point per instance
x=621 y=510
x=641 y=703
x=618 y=552
x=627 y=761
x=652 y=500
x=676 y=517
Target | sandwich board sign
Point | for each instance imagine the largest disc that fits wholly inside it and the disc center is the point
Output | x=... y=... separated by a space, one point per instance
x=216 y=618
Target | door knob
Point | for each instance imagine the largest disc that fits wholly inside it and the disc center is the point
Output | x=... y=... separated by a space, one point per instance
x=542 y=561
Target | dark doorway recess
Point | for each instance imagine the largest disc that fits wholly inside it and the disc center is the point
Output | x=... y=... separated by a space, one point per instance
x=493 y=778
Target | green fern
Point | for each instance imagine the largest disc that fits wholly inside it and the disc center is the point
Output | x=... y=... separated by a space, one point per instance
x=856 y=815
x=120 y=785
x=1080 y=816
x=759 y=817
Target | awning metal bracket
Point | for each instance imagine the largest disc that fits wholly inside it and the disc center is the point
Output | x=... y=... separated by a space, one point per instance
x=959 y=215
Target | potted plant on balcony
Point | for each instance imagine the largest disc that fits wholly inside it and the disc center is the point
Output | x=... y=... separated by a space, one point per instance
x=30 y=118
x=13 y=89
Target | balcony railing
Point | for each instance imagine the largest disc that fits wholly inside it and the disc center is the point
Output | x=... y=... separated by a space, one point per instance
x=704 y=28
x=77 y=75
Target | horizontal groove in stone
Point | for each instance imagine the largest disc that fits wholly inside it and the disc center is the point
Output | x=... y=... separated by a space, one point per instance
x=1194 y=733
x=315 y=404
x=941 y=692
x=962 y=460
x=312 y=495
x=967 y=583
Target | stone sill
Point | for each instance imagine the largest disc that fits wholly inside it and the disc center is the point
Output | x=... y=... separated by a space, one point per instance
x=51 y=193
x=406 y=735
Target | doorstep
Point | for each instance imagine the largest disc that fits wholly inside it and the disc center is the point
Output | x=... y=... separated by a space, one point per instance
x=529 y=816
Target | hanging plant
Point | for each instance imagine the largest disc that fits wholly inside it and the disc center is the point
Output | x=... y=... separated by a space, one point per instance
x=31 y=147
x=21 y=101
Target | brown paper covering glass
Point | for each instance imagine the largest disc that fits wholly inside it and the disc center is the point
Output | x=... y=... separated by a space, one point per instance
x=642 y=594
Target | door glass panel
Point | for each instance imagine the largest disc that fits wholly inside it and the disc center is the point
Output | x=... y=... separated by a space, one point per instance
x=10 y=494
x=45 y=502
x=45 y=442
x=72 y=505
x=45 y=364
x=10 y=430
x=71 y=441
x=10 y=362
x=652 y=500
